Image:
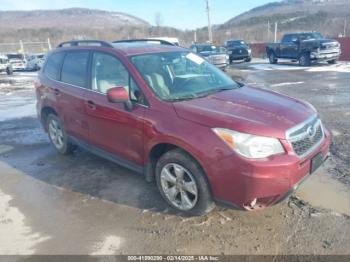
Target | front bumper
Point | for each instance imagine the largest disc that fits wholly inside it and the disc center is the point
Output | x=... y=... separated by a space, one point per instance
x=325 y=56
x=239 y=56
x=254 y=184
x=18 y=68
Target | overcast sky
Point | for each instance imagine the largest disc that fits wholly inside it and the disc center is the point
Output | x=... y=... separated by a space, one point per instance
x=184 y=14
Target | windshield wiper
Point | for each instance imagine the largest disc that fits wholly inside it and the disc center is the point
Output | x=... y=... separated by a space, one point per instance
x=200 y=94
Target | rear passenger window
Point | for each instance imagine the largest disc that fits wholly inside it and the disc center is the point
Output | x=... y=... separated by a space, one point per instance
x=74 y=69
x=53 y=65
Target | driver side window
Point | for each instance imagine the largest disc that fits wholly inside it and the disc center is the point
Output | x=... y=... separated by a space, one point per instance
x=109 y=72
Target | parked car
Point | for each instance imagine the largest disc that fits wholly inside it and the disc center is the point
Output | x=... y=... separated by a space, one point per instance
x=5 y=65
x=35 y=61
x=238 y=50
x=167 y=113
x=18 y=61
x=217 y=55
x=304 y=47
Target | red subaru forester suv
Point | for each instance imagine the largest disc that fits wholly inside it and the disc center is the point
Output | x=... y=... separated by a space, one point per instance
x=167 y=113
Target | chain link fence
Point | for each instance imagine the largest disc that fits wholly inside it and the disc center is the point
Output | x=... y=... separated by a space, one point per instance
x=25 y=47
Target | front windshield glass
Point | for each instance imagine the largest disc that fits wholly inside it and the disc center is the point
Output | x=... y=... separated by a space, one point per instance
x=206 y=48
x=15 y=56
x=309 y=36
x=236 y=43
x=181 y=75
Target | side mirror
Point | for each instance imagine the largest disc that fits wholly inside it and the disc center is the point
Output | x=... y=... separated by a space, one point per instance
x=120 y=95
x=295 y=41
x=117 y=95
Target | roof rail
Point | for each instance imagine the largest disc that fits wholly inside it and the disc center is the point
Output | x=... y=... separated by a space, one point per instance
x=85 y=42
x=162 y=42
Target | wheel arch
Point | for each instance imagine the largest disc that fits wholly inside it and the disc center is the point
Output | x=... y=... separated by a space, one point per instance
x=158 y=149
x=44 y=113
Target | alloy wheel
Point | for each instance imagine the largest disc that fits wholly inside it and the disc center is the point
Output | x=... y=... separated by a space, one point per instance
x=179 y=186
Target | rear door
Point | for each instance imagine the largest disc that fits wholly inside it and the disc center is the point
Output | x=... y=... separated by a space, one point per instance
x=113 y=128
x=71 y=91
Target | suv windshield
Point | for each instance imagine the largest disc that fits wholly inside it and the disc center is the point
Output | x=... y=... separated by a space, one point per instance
x=235 y=43
x=15 y=56
x=206 y=48
x=308 y=36
x=181 y=75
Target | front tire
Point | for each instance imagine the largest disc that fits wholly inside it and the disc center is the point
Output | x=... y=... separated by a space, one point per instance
x=272 y=58
x=304 y=60
x=183 y=184
x=248 y=59
x=58 y=135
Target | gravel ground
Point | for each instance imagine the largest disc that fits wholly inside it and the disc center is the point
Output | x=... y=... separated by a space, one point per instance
x=82 y=204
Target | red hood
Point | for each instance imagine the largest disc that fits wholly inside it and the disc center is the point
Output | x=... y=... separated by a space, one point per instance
x=246 y=109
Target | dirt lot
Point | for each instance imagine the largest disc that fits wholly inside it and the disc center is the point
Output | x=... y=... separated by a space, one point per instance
x=82 y=204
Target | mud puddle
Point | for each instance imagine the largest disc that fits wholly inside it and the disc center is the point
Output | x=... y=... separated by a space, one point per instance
x=321 y=190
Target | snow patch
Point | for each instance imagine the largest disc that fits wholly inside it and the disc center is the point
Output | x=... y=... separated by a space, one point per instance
x=288 y=84
x=108 y=246
x=341 y=67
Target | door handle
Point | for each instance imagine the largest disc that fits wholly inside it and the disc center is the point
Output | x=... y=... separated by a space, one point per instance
x=91 y=104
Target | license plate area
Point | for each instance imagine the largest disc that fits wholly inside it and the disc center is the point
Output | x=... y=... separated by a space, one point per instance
x=316 y=162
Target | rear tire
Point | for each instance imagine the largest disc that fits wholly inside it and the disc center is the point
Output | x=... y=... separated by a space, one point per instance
x=304 y=59
x=58 y=135
x=248 y=59
x=272 y=58
x=332 y=62
x=183 y=184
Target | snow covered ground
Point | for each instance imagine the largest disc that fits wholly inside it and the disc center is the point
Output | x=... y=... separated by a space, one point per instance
x=263 y=64
x=17 y=97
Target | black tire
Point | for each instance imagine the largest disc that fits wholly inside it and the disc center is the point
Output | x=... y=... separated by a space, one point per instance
x=248 y=59
x=231 y=60
x=272 y=58
x=204 y=203
x=332 y=62
x=9 y=70
x=66 y=147
x=304 y=59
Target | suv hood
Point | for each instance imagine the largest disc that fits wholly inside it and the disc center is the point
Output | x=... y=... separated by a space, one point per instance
x=246 y=109
x=210 y=53
x=321 y=42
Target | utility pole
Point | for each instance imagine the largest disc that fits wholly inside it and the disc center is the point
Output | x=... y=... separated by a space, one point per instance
x=268 y=30
x=195 y=36
x=210 y=33
x=344 y=35
x=276 y=28
x=49 y=43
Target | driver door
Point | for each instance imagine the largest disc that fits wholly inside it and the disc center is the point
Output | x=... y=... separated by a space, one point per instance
x=112 y=128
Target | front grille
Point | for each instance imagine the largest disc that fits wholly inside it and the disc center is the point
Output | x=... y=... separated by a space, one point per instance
x=218 y=59
x=305 y=137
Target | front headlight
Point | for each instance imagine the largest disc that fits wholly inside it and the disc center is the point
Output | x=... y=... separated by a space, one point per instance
x=249 y=51
x=250 y=146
